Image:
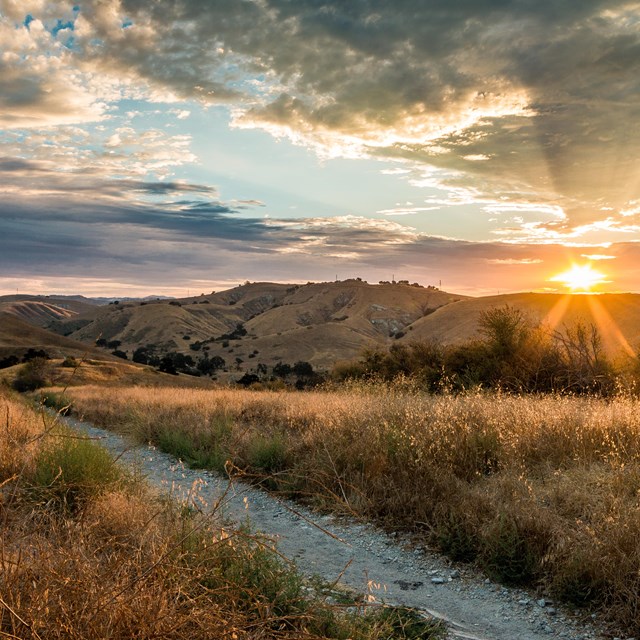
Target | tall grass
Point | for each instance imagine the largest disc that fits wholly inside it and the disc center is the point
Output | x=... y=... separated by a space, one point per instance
x=87 y=552
x=536 y=490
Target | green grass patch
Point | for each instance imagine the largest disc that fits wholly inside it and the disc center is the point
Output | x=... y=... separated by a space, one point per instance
x=199 y=449
x=70 y=470
x=56 y=401
x=272 y=591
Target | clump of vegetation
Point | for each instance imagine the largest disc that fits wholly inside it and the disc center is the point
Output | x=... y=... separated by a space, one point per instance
x=535 y=489
x=60 y=402
x=70 y=471
x=511 y=355
x=34 y=374
x=108 y=559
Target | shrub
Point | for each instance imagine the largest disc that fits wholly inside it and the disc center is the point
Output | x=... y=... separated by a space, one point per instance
x=33 y=375
x=70 y=362
x=9 y=361
x=69 y=471
x=32 y=354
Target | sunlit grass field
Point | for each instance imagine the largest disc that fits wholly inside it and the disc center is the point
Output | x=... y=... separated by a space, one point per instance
x=537 y=490
x=88 y=551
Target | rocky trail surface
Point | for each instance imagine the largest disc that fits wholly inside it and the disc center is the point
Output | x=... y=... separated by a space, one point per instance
x=360 y=556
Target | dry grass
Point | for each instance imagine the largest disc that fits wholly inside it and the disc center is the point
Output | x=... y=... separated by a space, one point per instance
x=537 y=490
x=88 y=552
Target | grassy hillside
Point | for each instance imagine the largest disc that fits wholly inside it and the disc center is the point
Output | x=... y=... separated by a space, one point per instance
x=17 y=336
x=43 y=310
x=319 y=323
x=617 y=317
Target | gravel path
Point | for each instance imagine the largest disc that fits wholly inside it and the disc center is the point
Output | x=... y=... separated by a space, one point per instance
x=364 y=558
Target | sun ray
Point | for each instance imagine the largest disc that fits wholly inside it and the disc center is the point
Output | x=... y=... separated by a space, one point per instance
x=557 y=312
x=607 y=326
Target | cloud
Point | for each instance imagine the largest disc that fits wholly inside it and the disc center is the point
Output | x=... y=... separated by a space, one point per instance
x=524 y=108
x=530 y=100
x=167 y=243
x=525 y=101
x=597 y=256
x=512 y=261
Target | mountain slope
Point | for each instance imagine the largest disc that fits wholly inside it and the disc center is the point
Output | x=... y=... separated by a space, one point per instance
x=17 y=336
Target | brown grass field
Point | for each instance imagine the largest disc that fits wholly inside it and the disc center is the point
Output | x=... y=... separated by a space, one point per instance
x=87 y=551
x=541 y=491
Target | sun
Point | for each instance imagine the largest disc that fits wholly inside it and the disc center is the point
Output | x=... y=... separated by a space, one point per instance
x=580 y=278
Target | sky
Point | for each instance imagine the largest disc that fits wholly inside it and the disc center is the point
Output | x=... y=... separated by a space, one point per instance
x=182 y=146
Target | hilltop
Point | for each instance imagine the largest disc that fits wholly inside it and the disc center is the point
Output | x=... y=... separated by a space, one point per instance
x=265 y=324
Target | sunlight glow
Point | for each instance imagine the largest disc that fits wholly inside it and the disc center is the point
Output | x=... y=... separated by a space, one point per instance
x=580 y=278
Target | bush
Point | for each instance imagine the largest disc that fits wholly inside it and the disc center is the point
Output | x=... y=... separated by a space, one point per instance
x=69 y=471
x=70 y=362
x=33 y=375
x=9 y=361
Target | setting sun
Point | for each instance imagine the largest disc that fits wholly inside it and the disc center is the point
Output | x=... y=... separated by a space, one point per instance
x=580 y=278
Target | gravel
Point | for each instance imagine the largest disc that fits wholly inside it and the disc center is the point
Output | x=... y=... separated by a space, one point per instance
x=387 y=568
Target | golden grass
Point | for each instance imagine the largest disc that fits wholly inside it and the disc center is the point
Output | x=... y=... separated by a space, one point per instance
x=537 y=490
x=119 y=562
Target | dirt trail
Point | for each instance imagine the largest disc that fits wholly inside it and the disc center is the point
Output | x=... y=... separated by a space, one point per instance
x=366 y=559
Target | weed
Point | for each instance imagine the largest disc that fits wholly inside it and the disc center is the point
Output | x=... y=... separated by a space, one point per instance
x=506 y=552
x=403 y=622
x=579 y=580
x=457 y=535
x=268 y=454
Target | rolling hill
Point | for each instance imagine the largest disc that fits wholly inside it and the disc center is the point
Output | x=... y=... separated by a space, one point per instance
x=264 y=322
x=617 y=317
x=18 y=336
x=42 y=310
x=321 y=323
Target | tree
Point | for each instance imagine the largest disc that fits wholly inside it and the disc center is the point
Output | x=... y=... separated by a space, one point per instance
x=208 y=366
x=141 y=355
x=301 y=368
x=505 y=330
x=281 y=370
